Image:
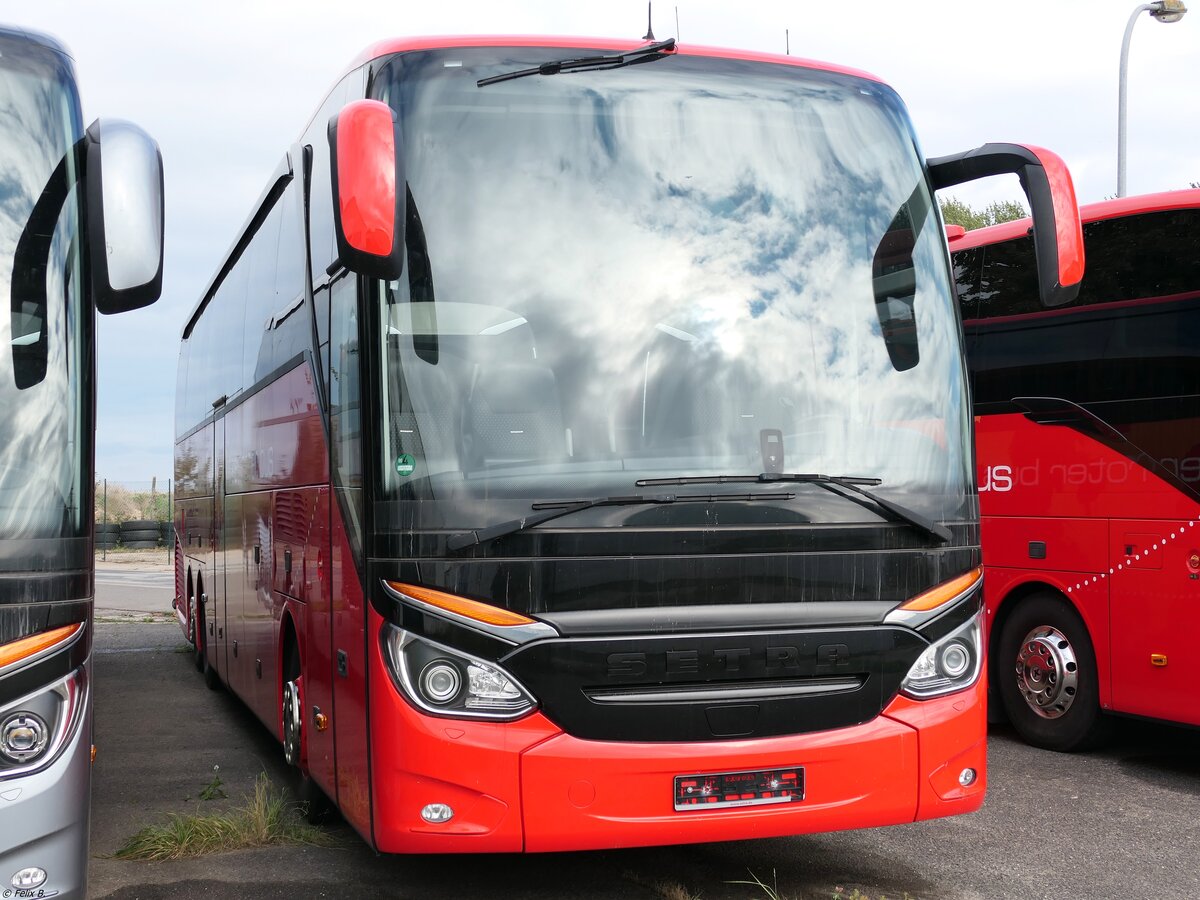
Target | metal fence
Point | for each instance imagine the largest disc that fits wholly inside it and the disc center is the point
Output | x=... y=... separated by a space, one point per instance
x=134 y=515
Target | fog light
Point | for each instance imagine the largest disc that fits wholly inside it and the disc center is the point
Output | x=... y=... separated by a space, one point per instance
x=440 y=681
x=437 y=813
x=23 y=736
x=967 y=777
x=28 y=879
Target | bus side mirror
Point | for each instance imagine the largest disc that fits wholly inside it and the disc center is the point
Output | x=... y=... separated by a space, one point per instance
x=1057 y=230
x=124 y=215
x=368 y=189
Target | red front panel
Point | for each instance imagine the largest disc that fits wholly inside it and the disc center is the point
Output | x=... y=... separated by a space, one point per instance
x=529 y=786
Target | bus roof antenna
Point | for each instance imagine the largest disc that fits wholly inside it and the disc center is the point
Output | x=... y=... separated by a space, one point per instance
x=649 y=27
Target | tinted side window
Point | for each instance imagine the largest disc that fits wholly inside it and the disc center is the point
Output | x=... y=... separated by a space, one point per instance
x=261 y=305
x=1128 y=258
x=1136 y=257
x=320 y=194
x=1008 y=280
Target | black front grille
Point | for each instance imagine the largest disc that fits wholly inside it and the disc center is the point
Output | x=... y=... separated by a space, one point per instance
x=703 y=687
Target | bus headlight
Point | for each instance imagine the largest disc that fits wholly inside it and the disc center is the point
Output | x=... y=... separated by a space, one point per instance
x=949 y=664
x=447 y=682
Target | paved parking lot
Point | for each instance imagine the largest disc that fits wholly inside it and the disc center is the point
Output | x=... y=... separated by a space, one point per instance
x=1113 y=824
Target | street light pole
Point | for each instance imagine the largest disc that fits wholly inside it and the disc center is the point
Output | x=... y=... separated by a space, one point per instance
x=1163 y=11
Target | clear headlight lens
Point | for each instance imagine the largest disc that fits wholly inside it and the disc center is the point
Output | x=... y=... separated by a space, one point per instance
x=947 y=665
x=448 y=682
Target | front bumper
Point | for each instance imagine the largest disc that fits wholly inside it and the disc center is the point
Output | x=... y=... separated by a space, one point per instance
x=529 y=786
x=44 y=815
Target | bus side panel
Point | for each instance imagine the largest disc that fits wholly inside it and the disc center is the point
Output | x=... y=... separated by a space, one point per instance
x=350 y=683
x=217 y=609
x=301 y=531
x=261 y=610
x=233 y=554
x=1056 y=471
x=1156 y=615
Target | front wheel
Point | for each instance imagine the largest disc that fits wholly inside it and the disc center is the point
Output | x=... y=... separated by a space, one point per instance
x=315 y=804
x=1046 y=672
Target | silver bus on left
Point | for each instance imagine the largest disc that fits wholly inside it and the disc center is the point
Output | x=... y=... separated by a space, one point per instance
x=81 y=232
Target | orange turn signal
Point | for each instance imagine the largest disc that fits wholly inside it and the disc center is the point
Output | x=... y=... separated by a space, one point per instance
x=26 y=647
x=944 y=592
x=472 y=609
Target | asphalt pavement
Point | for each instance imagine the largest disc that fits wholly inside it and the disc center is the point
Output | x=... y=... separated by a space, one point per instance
x=1117 y=823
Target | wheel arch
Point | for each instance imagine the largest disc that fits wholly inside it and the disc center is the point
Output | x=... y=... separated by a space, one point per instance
x=1001 y=608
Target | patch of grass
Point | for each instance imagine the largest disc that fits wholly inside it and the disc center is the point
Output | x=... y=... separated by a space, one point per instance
x=667 y=890
x=213 y=790
x=266 y=818
x=770 y=891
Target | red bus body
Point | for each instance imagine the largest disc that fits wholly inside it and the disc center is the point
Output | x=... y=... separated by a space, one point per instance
x=1095 y=503
x=292 y=585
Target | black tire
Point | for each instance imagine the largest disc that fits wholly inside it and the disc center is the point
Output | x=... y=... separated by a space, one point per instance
x=197 y=636
x=105 y=542
x=316 y=806
x=167 y=532
x=212 y=680
x=146 y=534
x=139 y=525
x=107 y=528
x=1045 y=648
x=140 y=545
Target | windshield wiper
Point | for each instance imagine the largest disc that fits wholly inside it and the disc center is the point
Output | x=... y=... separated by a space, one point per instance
x=611 y=61
x=894 y=510
x=553 y=509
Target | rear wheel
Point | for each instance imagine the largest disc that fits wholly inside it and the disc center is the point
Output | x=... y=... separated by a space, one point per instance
x=1046 y=670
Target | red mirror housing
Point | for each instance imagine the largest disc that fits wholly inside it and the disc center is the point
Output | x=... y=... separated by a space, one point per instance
x=1057 y=228
x=368 y=189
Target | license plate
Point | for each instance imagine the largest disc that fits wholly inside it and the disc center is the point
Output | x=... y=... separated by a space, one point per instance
x=729 y=789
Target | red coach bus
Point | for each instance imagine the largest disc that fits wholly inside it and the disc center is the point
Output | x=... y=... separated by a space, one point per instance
x=501 y=432
x=1088 y=442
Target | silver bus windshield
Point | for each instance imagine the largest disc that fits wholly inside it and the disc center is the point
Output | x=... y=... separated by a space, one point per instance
x=701 y=266
x=42 y=438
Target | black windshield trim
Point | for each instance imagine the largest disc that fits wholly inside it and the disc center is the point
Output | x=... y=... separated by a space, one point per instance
x=553 y=509
x=853 y=483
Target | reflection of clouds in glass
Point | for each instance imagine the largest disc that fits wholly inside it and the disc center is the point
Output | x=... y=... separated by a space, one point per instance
x=742 y=210
x=39 y=440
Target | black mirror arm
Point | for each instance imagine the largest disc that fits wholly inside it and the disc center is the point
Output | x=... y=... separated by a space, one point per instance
x=1029 y=167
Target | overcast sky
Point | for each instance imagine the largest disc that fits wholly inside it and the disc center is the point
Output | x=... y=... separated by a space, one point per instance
x=226 y=86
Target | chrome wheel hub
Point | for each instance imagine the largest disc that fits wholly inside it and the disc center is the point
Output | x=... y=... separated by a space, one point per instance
x=291 y=722
x=1047 y=672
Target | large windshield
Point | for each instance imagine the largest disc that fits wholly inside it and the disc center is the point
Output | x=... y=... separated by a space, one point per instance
x=41 y=434
x=686 y=267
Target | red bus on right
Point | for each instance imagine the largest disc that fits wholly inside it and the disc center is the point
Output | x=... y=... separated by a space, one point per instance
x=1088 y=457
